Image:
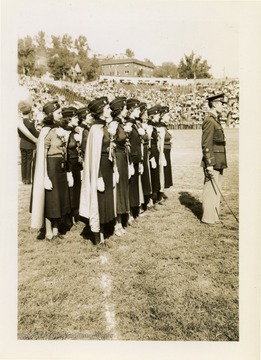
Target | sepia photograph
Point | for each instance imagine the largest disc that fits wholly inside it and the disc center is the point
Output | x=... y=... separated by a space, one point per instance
x=130 y=201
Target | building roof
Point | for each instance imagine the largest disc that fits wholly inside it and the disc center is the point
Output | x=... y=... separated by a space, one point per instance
x=125 y=61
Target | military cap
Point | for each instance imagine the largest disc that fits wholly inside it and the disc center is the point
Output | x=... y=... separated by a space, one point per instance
x=104 y=98
x=154 y=110
x=50 y=107
x=82 y=111
x=215 y=97
x=143 y=106
x=132 y=103
x=164 y=109
x=118 y=103
x=97 y=105
x=69 y=111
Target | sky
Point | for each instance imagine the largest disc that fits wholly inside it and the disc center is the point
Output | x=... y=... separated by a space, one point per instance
x=159 y=30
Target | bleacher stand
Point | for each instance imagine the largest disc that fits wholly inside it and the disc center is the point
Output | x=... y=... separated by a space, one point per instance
x=187 y=104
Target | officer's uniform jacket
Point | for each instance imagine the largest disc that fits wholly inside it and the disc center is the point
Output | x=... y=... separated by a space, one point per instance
x=213 y=143
x=26 y=143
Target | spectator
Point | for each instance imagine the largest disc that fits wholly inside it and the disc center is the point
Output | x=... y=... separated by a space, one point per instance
x=27 y=146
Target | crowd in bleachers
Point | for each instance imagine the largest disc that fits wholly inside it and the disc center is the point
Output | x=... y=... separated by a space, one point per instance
x=187 y=103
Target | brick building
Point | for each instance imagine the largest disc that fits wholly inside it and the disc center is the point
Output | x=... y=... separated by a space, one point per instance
x=126 y=67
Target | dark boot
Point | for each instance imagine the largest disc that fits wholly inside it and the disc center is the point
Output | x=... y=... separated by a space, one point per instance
x=86 y=232
x=41 y=235
x=164 y=196
x=96 y=238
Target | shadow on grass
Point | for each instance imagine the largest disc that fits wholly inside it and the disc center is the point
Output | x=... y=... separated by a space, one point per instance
x=191 y=203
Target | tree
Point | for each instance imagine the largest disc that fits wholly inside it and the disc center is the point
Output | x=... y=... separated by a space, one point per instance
x=40 y=40
x=191 y=66
x=82 y=47
x=40 y=54
x=26 y=56
x=56 y=40
x=129 y=53
x=34 y=58
x=67 y=42
x=93 y=69
x=87 y=67
x=60 y=62
x=167 y=69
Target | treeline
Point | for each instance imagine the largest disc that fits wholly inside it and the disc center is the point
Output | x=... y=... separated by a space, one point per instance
x=66 y=58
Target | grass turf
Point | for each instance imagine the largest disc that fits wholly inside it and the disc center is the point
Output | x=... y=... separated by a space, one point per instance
x=168 y=278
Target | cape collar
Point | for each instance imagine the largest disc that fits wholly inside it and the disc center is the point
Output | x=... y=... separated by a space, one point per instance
x=131 y=120
x=160 y=124
x=84 y=126
x=99 y=122
x=119 y=120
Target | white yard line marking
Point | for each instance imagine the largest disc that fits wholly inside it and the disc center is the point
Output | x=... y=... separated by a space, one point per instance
x=106 y=285
x=110 y=317
x=109 y=310
x=103 y=259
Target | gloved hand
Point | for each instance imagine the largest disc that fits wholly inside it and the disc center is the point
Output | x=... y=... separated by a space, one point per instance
x=209 y=171
x=70 y=179
x=141 y=131
x=47 y=183
x=153 y=163
x=100 y=184
x=141 y=168
x=131 y=170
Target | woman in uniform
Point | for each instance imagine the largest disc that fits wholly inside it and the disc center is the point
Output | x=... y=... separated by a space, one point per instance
x=145 y=176
x=73 y=162
x=50 y=194
x=119 y=112
x=57 y=178
x=165 y=152
x=135 y=190
x=153 y=118
x=97 y=196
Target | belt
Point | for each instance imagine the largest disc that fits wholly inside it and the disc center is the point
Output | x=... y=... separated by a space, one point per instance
x=220 y=143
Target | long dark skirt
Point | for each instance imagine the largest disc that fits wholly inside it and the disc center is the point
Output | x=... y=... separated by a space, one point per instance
x=167 y=170
x=123 y=205
x=57 y=201
x=145 y=177
x=75 y=190
x=134 y=188
x=105 y=198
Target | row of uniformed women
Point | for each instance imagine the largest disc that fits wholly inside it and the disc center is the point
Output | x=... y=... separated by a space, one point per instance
x=103 y=174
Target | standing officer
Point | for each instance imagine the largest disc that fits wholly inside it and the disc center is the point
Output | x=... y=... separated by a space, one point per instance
x=214 y=159
x=27 y=146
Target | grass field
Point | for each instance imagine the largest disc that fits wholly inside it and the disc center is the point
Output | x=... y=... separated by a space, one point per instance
x=168 y=278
